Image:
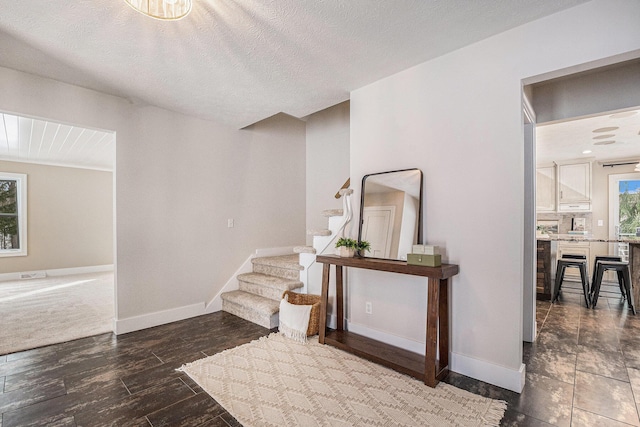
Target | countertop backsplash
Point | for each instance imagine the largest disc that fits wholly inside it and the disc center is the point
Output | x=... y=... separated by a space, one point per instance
x=565 y=220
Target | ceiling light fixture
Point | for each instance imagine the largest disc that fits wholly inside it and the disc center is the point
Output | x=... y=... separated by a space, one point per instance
x=586 y=152
x=166 y=10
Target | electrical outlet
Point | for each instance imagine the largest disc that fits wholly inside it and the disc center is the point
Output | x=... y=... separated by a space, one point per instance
x=230 y=223
x=367 y=308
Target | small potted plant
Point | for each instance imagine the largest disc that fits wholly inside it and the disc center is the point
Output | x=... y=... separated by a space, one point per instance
x=346 y=247
x=363 y=246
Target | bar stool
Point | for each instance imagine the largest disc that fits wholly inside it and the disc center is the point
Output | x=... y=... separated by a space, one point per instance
x=593 y=277
x=624 y=279
x=578 y=261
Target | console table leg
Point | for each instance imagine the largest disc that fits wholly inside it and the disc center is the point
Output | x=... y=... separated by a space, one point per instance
x=443 y=323
x=433 y=306
x=324 y=297
x=339 y=299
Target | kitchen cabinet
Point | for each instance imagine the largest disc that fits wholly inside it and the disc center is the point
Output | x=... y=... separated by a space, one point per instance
x=575 y=248
x=574 y=187
x=546 y=189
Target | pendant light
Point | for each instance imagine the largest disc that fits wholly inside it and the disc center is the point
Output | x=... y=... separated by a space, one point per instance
x=166 y=10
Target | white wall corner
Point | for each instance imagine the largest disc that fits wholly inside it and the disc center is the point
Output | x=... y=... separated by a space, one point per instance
x=149 y=320
x=511 y=379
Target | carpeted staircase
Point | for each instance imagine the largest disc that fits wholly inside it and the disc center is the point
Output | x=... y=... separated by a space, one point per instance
x=258 y=299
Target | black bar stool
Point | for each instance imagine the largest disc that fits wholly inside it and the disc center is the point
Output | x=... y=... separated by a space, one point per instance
x=578 y=261
x=595 y=265
x=624 y=279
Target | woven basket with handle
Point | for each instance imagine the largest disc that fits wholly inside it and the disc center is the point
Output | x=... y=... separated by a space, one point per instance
x=307 y=299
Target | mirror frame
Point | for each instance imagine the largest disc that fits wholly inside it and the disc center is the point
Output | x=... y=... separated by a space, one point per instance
x=420 y=202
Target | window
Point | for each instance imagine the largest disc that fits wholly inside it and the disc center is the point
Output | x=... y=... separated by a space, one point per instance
x=13 y=214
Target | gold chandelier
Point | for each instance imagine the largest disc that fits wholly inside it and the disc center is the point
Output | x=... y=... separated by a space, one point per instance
x=162 y=9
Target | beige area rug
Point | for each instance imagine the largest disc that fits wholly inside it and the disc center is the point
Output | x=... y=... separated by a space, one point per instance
x=38 y=312
x=275 y=381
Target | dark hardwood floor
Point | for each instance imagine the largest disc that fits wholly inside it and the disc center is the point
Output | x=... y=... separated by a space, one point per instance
x=584 y=370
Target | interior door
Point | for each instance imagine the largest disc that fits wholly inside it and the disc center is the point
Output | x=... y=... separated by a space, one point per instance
x=624 y=216
x=377 y=229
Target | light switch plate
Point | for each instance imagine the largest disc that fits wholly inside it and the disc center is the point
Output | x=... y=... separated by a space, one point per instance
x=600 y=223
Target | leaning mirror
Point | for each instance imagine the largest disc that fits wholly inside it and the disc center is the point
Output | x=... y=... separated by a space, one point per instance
x=391 y=213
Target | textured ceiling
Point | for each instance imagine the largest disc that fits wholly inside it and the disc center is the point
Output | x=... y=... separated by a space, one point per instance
x=240 y=61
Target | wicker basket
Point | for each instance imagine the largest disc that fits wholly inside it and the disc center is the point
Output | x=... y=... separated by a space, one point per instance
x=307 y=299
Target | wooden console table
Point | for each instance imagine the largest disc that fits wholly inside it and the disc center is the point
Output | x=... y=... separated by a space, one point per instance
x=427 y=368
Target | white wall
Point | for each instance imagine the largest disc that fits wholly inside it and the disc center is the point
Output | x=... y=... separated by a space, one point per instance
x=327 y=141
x=459 y=119
x=178 y=180
x=609 y=89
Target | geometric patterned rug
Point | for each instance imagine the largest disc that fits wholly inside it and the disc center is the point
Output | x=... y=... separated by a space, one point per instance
x=275 y=381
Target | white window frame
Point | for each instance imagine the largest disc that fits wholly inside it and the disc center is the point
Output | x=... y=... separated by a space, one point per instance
x=21 y=180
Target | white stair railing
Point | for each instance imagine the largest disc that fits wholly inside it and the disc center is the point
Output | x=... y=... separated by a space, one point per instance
x=311 y=276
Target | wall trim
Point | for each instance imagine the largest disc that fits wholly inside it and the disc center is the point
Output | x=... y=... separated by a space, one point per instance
x=397 y=341
x=149 y=320
x=504 y=377
x=59 y=272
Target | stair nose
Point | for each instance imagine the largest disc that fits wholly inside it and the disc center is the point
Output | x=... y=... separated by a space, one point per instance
x=332 y=212
x=319 y=232
x=291 y=262
x=304 y=250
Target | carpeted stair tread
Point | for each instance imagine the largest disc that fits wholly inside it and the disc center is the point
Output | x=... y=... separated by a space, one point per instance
x=304 y=250
x=256 y=302
x=270 y=281
x=319 y=232
x=291 y=262
x=251 y=307
x=332 y=212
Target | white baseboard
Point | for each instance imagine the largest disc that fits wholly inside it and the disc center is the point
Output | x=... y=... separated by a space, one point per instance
x=481 y=370
x=144 y=321
x=59 y=272
x=404 y=343
x=511 y=379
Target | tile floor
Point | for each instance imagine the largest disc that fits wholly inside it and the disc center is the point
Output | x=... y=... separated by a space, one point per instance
x=584 y=370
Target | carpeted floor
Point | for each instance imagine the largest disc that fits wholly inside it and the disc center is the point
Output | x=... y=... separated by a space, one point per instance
x=38 y=312
x=275 y=381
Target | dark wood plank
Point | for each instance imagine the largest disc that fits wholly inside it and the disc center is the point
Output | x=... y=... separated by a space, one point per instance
x=433 y=311
x=339 y=299
x=443 y=325
x=324 y=301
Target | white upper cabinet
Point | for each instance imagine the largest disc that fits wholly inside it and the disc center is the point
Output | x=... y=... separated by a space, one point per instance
x=546 y=189
x=574 y=187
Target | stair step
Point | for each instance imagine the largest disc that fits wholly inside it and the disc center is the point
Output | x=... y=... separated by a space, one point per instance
x=284 y=261
x=267 y=286
x=304 y=250
x=332 y=212
x=319 y=232
x=254 y=308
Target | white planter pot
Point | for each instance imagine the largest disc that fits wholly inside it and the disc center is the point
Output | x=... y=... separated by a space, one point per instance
x=346 y=252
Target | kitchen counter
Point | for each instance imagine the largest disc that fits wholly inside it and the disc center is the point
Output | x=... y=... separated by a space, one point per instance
x=547 y=251
x=585 y=238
